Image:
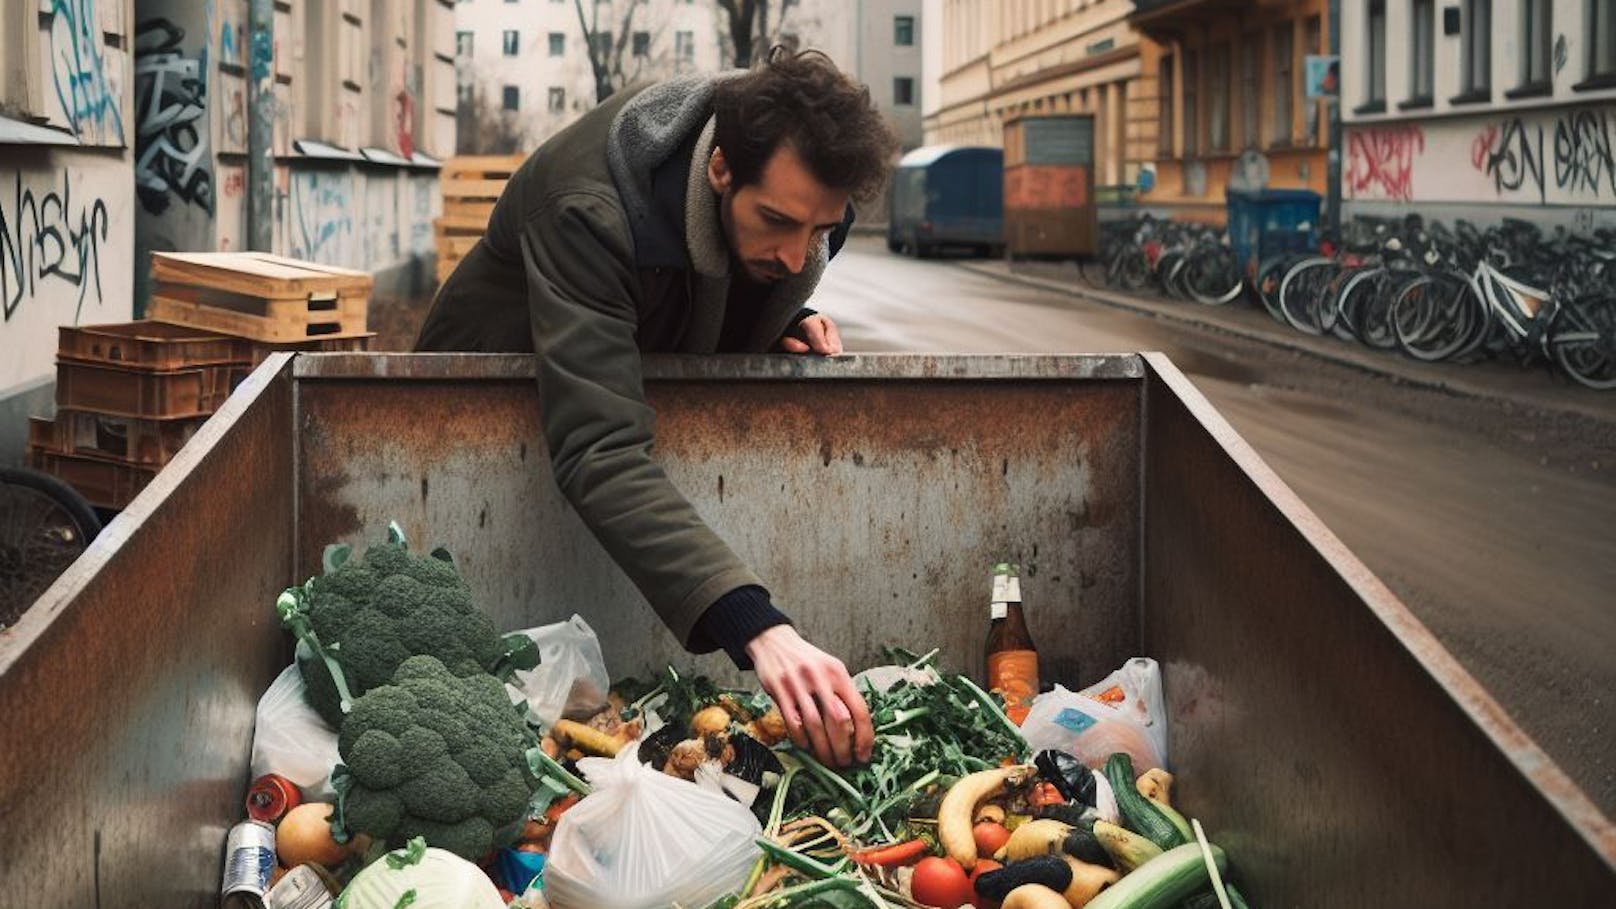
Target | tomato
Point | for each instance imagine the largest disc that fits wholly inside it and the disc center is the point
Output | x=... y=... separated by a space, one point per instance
x=983 y=866
x=990 y=837
x=941 y=882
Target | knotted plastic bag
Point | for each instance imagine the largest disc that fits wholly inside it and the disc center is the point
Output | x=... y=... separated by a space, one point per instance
x=643 y=839
x=290 y=738
x=1124 y=711
x=570 y=680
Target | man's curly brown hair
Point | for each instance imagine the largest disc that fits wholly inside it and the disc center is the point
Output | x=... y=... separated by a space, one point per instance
x=802 y=99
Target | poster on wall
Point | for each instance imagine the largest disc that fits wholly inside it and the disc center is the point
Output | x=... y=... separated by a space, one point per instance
x=1323 y=76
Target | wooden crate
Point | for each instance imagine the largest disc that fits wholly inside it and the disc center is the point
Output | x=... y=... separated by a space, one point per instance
x=149 y=345
x=471 y=184
x=259 y=296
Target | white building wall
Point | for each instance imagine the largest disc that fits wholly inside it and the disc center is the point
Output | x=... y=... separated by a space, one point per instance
x=1545 y=156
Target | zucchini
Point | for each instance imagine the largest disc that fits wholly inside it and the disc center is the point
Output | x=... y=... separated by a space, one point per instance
x=1161 y=882
x=1139 y=814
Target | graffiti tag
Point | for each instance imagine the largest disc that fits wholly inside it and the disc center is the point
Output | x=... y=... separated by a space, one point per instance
x=88 y=100
x=43 y=238
x=1511 y=155
x=1582 y=153
x=171 y=143
x=1380 y=161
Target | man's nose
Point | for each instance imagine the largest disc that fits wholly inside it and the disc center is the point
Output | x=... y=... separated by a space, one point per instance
x=793 y=256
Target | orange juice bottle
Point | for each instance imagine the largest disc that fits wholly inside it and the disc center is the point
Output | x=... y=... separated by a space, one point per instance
x=1012 y=660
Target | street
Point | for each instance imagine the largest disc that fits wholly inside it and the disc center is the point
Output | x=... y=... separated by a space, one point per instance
x=1495 y=526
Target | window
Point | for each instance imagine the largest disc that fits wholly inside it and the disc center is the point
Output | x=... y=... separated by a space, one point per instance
x=510 y=43
x=512 y=99
x=1536 y=37
x=602 y=41
x=462 y=44
x=1192 y=89
x=642 y=44
x=903 y=90
x=903 y=31
x=558 y=100
x=1250 y=90
x=684 y=47
x=1602 y=40
x=1312 y=43
x=1421 y=64
x=1284 y=83
x=558 y=44
x=1164 y=125
x=1375 y=90
x=1218 y=98
x=1476 y=83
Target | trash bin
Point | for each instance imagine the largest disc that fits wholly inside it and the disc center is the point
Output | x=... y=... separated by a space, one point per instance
x=1271 y=222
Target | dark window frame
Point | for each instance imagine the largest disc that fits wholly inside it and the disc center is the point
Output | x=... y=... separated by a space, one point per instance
x=510 y=43
x=1475 y=55
x=510 y=98
x=903 y=91
x=903 y=31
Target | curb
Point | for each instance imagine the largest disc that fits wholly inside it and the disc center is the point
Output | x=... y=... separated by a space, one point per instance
x=1338 y=354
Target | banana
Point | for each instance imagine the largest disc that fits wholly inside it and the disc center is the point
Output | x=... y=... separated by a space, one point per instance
x=1040 y=837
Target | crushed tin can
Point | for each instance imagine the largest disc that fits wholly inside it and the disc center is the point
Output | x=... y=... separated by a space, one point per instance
x=301 y=888
x=249 y=862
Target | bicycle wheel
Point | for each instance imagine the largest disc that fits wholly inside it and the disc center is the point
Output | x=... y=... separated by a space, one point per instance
x=1301 y=292
x=1334 y=316
x=1374 y=309
x=1211 y=276
x=1266 y=284
x=1435 y=317
x=1167 y=269
x=1582 y=339
x=1132 y=269
x=44 y=525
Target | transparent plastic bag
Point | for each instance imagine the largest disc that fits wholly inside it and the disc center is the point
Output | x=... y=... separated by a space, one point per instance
x=1124 y=711
x=570 y=680
x=644 y=839
x=291 y=739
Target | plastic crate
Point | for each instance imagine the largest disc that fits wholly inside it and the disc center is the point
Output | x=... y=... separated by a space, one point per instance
x=105 y=483
x=116 y=391
x=1271 y=222
x=149 y=345
x=134 y=440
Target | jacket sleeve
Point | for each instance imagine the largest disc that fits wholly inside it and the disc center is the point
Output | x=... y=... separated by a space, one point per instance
x=581 y=284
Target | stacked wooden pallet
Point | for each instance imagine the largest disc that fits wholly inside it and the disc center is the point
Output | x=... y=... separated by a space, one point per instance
x=130 y=395
x=471 y=185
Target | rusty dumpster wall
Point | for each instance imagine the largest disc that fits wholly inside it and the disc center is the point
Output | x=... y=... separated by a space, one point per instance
x=1320 y=731
x=128 y=690
x=873 y=495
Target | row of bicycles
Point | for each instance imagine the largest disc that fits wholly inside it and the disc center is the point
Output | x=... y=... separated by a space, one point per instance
x=1435 y=292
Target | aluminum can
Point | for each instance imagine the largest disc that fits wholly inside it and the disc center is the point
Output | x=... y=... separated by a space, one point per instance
x=249 y=861
x=300 y=888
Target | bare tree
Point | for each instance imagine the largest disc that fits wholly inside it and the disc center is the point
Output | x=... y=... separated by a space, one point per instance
x=607 y=49
x=746 y=26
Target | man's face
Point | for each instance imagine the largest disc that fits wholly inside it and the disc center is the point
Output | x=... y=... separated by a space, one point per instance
x=772 y=224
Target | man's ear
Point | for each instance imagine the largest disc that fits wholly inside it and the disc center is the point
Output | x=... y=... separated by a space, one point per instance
x=718 y=173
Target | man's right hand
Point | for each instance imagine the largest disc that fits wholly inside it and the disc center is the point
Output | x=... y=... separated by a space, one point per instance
x=823 y=710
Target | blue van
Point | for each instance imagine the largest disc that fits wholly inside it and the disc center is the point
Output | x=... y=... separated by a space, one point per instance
x=948 y=195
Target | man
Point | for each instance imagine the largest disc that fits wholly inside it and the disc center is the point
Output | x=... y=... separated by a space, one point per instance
x=691 y=216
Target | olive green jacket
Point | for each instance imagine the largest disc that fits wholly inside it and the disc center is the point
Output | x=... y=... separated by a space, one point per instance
x=588 y=261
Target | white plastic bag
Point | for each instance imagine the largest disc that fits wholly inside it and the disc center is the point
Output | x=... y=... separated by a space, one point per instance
x=290 y=739
x=643 y=839
x=1122 y=712
x=570 y=680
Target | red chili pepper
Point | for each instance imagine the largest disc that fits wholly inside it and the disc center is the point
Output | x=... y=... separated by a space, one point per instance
x=893 y=856
x=1043 y=795
x=271 y=796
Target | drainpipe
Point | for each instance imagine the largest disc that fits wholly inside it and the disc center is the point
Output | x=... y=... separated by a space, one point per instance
x=260 y=124
x=1332 y=156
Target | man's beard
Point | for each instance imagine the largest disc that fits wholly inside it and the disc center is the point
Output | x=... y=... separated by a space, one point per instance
x=760 y=271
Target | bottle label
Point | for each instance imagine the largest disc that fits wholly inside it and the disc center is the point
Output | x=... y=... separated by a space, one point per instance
x=998 y=610
x=1000 y=586
x=1014 y=674
x=1012 y=589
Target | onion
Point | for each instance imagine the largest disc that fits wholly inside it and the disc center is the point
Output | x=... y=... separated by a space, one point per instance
x=304 y=835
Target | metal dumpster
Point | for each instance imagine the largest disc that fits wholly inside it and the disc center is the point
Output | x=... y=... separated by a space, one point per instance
x=1322 y=734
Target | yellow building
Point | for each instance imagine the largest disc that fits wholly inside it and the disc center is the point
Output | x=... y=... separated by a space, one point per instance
x=1005 y=58
x=1221 y=77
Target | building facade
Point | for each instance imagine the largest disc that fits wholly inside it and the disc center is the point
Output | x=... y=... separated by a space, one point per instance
x=1002 y=60
x=878 y=42
x=1480 y=109
x=1222 y=78
x=123 y=130
x=524 y=66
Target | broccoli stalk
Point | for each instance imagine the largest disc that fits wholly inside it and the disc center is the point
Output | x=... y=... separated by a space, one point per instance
x=295 y=618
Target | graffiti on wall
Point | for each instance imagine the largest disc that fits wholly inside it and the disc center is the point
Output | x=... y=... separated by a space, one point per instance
x=321 y=208
x=171 y=139
x=1380 y=161
x=85 y=82
x=1554 y=157
x=50 y=237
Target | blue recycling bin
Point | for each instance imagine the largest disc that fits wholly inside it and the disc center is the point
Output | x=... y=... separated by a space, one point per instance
x=1271 y=222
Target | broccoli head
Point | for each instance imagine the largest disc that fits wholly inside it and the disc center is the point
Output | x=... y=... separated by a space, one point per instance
x=439 y=756
x=368 y=615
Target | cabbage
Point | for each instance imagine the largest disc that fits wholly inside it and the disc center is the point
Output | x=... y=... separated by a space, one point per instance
x=420 y=877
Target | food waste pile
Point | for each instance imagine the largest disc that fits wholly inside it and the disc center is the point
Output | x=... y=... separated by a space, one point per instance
x=413 y=756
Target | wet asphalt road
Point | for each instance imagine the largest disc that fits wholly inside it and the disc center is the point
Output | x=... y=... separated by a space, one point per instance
x=1496 y=527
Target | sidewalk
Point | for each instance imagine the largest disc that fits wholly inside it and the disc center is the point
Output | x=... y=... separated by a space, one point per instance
x=1531 y=388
